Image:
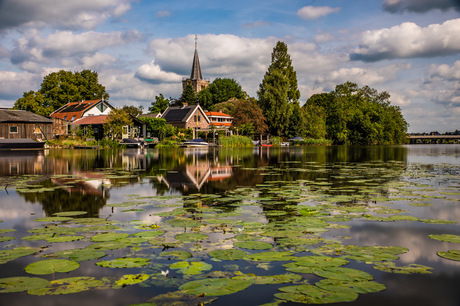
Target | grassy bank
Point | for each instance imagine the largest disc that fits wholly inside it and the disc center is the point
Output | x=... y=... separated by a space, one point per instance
x=235 y=142
x=72 y=142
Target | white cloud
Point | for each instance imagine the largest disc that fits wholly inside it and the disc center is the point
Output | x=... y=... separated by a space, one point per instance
x=14 y=84
x=446 y=72
x=163 y=14
x=409 y=40
x=315 y=12
x=153 y=73
x=82 y=14
x=32 y=48
x=97 y=61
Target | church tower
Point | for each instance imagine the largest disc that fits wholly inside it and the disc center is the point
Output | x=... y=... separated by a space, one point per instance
x=196 y=77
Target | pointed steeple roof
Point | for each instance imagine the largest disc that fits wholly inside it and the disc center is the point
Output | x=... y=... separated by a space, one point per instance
x=196 y=69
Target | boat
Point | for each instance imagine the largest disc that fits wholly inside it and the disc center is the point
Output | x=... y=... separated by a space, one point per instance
x=197 y=143
x=132 y=143
x=266 y=145
x=21 y=144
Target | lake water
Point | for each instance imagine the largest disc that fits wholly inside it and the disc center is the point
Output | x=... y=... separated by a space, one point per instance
x=363 y=225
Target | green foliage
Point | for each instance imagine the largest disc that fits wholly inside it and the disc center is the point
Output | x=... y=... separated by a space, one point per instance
x=220 y=90
x=160 y=104
x=50 y=266
x=117 y=119
x=189 y=95
x=278 y=90
x=248 y=117
x=159 y=128
x=235 y=141
x=354 y=115
x=59 y=88
x=133 y=110
x=296 y=125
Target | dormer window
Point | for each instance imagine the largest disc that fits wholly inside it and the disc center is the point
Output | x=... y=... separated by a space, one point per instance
x=73 y=118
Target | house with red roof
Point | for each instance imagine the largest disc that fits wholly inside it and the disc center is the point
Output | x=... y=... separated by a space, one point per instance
x=219 y=120
x=76 y=110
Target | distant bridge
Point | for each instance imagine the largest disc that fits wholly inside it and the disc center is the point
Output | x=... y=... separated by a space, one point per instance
x=434 y=138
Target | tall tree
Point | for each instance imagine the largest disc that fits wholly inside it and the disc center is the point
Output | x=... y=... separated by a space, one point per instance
x=189 y=95
x=220 y=90
x=278 y=90
x=59 y=88
x=160 y=104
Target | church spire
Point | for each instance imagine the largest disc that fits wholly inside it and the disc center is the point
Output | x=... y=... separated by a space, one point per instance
x=196 y=69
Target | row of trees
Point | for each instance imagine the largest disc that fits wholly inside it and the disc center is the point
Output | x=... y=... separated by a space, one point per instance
x=347 y=115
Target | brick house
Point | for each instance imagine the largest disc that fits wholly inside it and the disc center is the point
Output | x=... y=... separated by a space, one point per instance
x=185 y=117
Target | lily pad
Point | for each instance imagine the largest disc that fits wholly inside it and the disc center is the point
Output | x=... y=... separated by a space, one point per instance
x=451 y=254
x=358 y=287
x=124 y=262
x=343 y=274
x=64 y=238
x=6 y=238
x=410 y=269
x=53 y=219
x=178 y=298
x=78 y=254
x=68 y=286
x=109 y=237
x=50 y=266
x=21 y=283
x=8 y=255
x=309 y=294
x=253 y=245
x=176 y=254
x=70 y=213
x=230 y=254
x=148 y=234
x=192 y=268
x=215 y=286
x=446 y=238
x=130 y=279
x=270 y=279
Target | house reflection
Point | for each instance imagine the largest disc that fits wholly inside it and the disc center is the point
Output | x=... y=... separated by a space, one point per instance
x=199 y=169
x=28 y=162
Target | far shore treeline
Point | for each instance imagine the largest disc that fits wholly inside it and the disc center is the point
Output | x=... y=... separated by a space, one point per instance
x=347 y=115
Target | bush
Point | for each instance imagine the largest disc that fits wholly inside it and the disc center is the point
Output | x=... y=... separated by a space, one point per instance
x=167 y=143
x=107 y=143
x=311 y=141
x=235 y=141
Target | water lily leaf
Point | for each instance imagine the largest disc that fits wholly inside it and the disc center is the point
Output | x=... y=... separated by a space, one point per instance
x=343 y=274
x=109 y=237
x=50 y=266
x=358 y=287
x=70 y=213
x=410 y=269
x=270 y=279
x=124 y=262
x=64 y=238
x=177 y=254
x=6 y=230
x=183 y=223
x=451 y=254
x=78 y=254
x=437 y=221
x=253 y=245
x=309 y=294
x=229 y=254
x=6 y=238
x=21 y=283
x=130 y=279
x=192 y=268
x=271 y=256
x=373 y=253
x=8 y=255
x=191 y=237
x=109 y=245
x=215 y=286
x=446 y=238
x=179 y=298
x=68 y=285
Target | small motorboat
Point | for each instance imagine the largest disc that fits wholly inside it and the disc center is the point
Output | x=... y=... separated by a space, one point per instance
x=197 y=143
x=21 y=144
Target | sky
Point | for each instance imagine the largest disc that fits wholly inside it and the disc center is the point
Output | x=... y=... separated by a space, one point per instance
x=140 y=49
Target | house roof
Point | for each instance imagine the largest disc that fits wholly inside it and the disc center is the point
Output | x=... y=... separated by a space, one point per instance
x=89 y=120
x=181 y=114
x=23 y=116
x=217 y=114
x=151 y=115
x=76 y=109
x=221 y=123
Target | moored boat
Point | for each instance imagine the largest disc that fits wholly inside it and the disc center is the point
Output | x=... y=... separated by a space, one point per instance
x=21 y=144
x=197 y=142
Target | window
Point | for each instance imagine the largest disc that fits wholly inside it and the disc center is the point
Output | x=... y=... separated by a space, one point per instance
x=13 y=129
x=101 y=107
x=73 y=118
x=65 y=117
